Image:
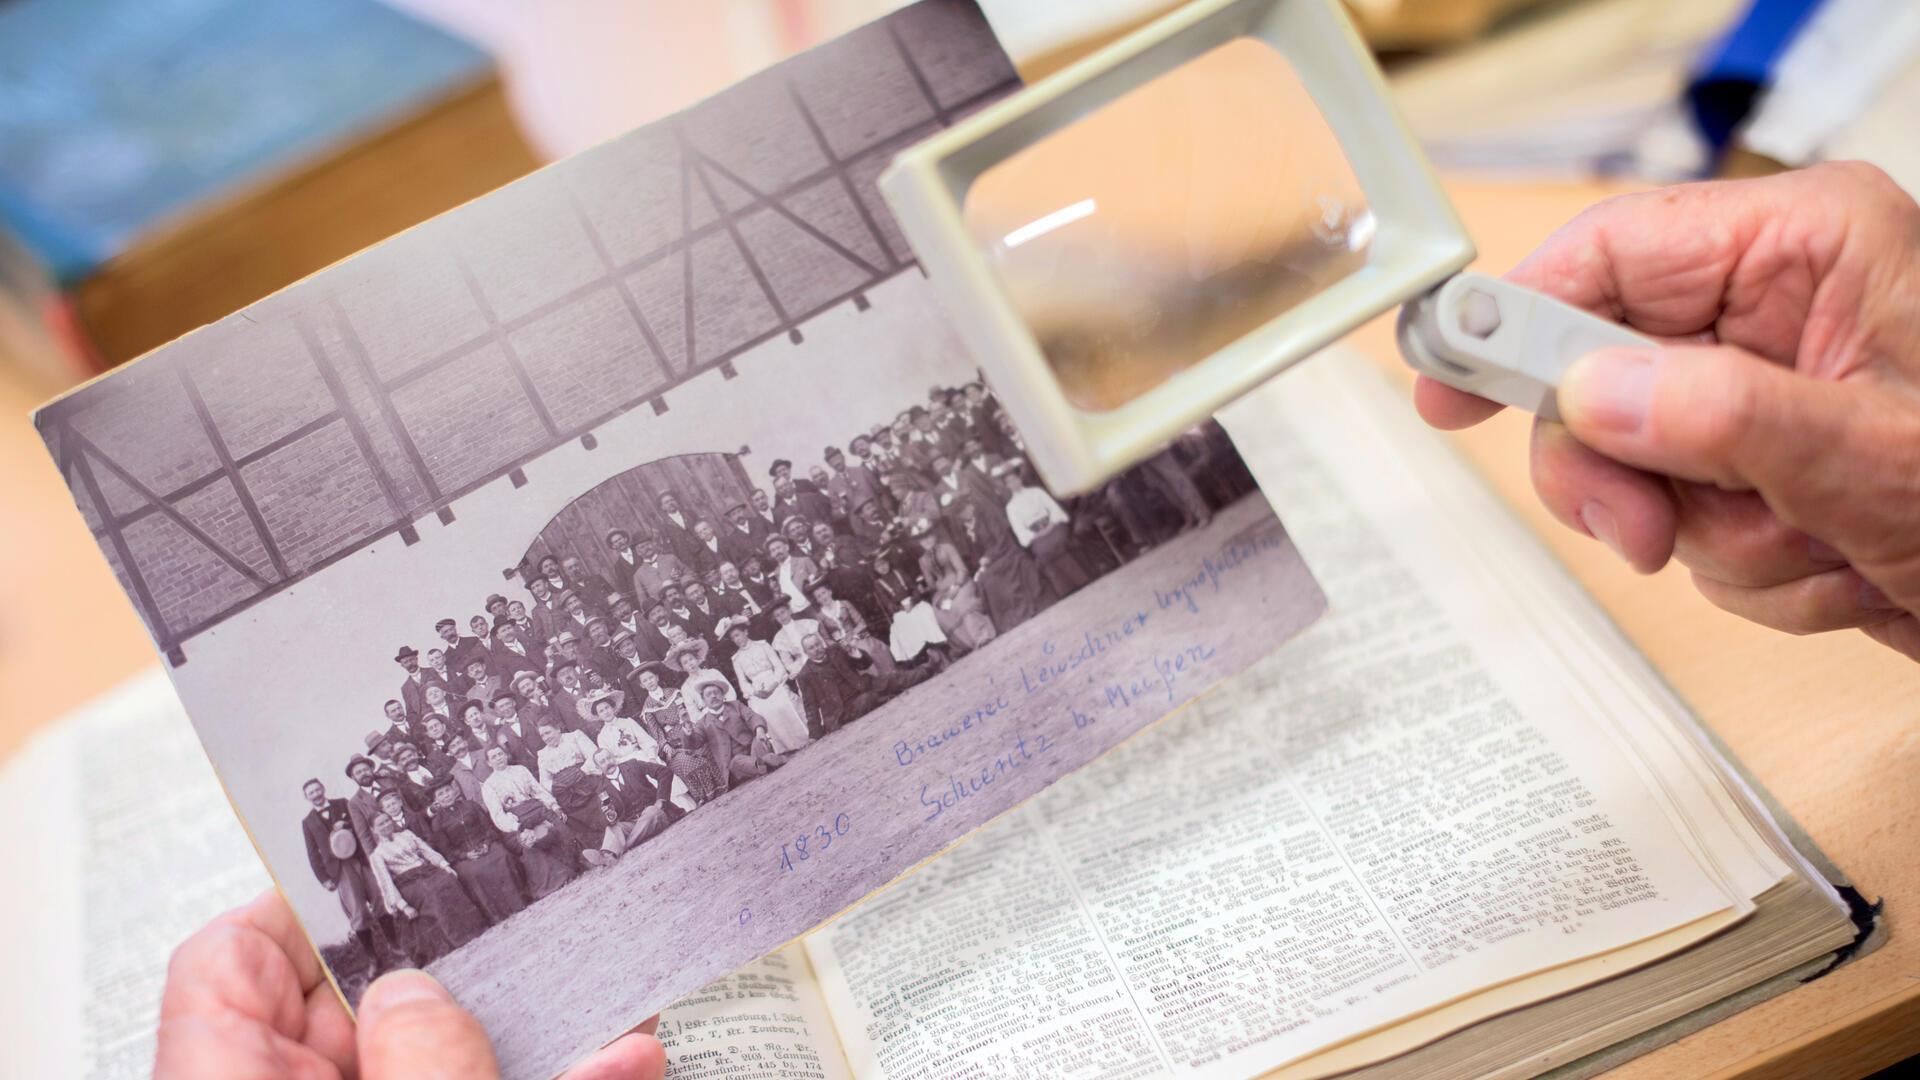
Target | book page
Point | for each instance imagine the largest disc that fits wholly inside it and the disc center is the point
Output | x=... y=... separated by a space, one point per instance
x=135 y=848
x=766 y=1022
x=126 y=870
x=1364 y=827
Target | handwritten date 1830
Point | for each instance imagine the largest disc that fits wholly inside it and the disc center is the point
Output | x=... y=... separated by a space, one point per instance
x=814 y=842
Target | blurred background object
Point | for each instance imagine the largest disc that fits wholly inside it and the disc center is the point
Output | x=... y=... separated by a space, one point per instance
x=164 y=162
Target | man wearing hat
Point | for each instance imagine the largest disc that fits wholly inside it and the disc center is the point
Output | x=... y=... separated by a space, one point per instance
x=515 y=654
x=549 y=618
x=364 y=804
x=706 y=552
x=919 y=442
x=578 y=614
x=626 y=662
x=624 y=560
x=655 y=570
x=457 y=647
x=592 y=588
x=791 y=501
x=852 y=483
x=790 y=572
x=676 y=527
x=340 y=863
x=704 y=613
x=517 y=733
x=880 y=453
x=652 y=637
x=482 y=683
x=496 y=609
x=744 y=534
x=413 y=689
x=762 y=511
x=569 y=692
x=596 y=652
x=622 y=615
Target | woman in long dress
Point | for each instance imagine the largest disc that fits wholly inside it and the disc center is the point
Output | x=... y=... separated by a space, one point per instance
x=1011 y=585
x=530 y=818
x=764 y=677
x=463 y=834
x=963 y=617
x=663 y=715
x=1041 y=526
x=421 y=886
x=842 y=621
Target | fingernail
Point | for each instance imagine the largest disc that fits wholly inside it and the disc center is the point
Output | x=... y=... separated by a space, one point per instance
x=1874 y=598
x=398 y=987
x=1820 y=551
x=1599 y=522
x=1611 y=389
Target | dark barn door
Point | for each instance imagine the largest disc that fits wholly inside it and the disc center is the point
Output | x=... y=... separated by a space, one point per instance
x=705 y=484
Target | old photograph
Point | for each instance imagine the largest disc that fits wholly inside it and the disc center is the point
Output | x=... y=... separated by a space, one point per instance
x=591 y=590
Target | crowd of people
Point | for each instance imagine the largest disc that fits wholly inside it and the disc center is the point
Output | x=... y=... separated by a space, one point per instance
x=550 y=735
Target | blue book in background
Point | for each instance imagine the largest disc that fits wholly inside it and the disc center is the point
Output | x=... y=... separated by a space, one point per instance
x=124 y=119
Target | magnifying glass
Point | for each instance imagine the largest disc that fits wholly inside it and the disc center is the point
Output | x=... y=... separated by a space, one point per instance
x=1135 y=241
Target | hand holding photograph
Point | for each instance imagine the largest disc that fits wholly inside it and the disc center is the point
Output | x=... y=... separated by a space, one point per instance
x=595 y=588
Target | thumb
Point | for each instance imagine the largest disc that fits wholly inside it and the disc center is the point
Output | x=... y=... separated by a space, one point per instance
x=1832 y=459
x=410 y=1027
x=1719 y=415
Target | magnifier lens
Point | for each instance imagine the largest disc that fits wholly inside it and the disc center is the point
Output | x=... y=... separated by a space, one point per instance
x=1173 y=220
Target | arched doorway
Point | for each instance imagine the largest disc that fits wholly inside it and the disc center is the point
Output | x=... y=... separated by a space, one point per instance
x=705 y=484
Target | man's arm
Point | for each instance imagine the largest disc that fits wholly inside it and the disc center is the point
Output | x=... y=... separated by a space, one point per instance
x=310 y=825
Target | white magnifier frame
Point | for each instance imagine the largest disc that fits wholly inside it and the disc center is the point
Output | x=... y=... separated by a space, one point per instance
x=1468 y=330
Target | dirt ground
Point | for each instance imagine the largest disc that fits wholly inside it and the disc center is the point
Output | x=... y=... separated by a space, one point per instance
x=712 y=893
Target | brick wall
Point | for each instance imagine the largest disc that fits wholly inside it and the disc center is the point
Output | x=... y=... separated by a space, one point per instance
x=374 y=395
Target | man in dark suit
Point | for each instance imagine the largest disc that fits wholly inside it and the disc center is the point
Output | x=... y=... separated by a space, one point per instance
x=676 y=527
x=634 y=796
x=549 y=618
x=624 y=559
x=457 y=647
x=519 y=735
x=401 y=728
x=789 y=501
x=708 y=552
x=656 y=569
x=515 y=654
x=743 y=535
x=413 y=689
x=348 y=877
x=592 y=587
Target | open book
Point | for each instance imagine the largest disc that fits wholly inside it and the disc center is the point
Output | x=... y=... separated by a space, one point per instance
x=1459 y=828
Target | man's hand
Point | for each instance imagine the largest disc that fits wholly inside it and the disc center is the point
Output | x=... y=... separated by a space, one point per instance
x=246 y=1000
x=1772 y=444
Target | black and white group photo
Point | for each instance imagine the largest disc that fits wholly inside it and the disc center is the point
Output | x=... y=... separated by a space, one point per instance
x=594 y=588
x=683 y=629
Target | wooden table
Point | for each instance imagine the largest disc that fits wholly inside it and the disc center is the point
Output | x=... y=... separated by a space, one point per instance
x=1828 y=724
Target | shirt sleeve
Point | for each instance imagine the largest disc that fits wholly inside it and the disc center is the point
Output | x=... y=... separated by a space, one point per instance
x=384 y=879
x=426 y=851
x=1017 y=516
x=490 y=794
x=540 y=792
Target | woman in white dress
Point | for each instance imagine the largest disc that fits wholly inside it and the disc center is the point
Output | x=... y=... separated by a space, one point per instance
x=763 y=675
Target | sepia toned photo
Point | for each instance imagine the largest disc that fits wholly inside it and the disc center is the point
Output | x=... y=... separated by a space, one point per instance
x=593 y=589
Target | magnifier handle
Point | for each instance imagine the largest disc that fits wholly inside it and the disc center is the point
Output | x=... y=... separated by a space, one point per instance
x=1501 y=341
